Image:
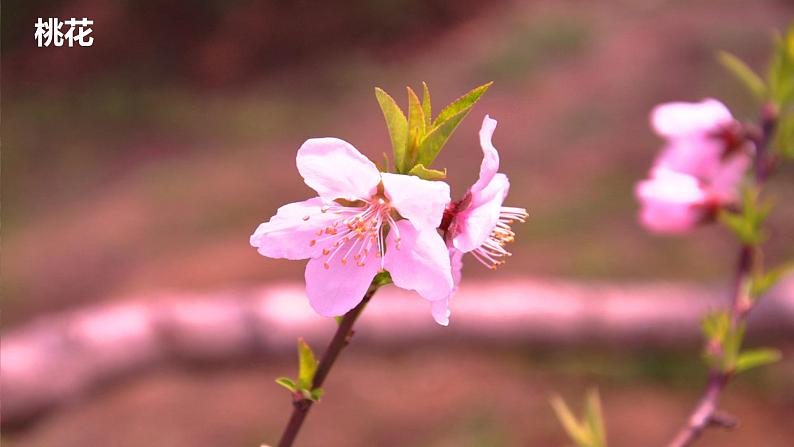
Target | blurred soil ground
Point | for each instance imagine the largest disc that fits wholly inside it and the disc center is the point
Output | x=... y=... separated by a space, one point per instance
x=455 y=396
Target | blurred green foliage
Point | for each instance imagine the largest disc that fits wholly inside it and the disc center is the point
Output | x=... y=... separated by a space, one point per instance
x=587 y=431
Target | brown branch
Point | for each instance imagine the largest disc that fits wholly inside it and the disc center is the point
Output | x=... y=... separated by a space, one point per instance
x=705 y=413
x=300 y=404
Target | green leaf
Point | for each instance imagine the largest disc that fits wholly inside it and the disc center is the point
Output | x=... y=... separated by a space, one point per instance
x=445 y=123
x=428 y=174
x=748 y=224
x=781 y=72
x=753 y=358
x=737 y=223
x=435 y=140
x=731 y=347
x=317 y=394
x=784 y=134
x=464 y=103
x=720 y=332
x=762 y=282
x=287 y=383
x=397 y=125
x=595 y=419
x=588 y=432
x=744 y=74
x=386 y=167
x=307 y=365
x=715 y=325
x=381 y=279
x=426 y=107
x=786 y=75
x=416 y=130
x=575 y=430
x=780 y=81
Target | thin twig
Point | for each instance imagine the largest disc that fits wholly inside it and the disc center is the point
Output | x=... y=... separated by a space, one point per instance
x=301 y=405
x=705 y=414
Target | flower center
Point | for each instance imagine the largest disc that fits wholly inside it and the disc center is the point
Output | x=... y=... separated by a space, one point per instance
x=492 y=252
x=732 y=136
x=359 y=229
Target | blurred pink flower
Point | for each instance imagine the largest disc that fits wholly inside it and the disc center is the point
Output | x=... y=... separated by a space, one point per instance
x=363 y=222
x=699 y=137
x=479 y=224
x=698 y=171
x=671 y=202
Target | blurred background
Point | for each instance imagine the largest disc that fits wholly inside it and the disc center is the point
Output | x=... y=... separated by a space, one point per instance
x=138 y=167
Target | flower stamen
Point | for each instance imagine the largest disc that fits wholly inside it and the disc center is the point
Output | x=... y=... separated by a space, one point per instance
x=360 y=227
x=492 y=252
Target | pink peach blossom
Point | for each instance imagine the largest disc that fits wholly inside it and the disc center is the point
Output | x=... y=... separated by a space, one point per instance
x=699 y=137
x=479 y=224
x=362 y=222
x=698 y=171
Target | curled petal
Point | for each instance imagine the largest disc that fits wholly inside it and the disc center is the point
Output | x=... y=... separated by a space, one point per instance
x=490 y=159
x=420 y=201
x=474 y=225
x=420 y=261
x=681 y=119
x=440 y=311
x=289 y=234
x=334 y=288
x=336 y=169
x=440 y=308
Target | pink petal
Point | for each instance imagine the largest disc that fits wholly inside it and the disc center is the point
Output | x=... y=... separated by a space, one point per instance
x=336 y=169
x=420 y=263
x=490 y=159
x=474 y=225
x=678 y=119
x=665 y=218
x=440 y=308
x=440 y=311
x=289 y=233
x=670 y=201
x=420 y=201
x=456 y=262
x=699 y=156
x=335 y=290
x=725 y=182
x=671 y=186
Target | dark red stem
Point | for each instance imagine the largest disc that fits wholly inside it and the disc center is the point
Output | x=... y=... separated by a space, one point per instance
x=300 y=404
